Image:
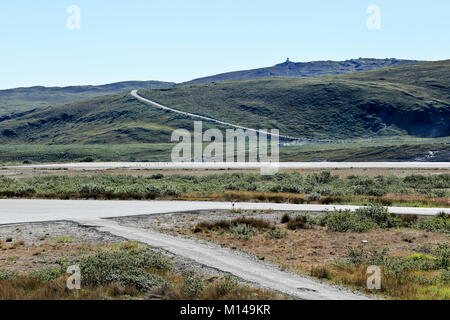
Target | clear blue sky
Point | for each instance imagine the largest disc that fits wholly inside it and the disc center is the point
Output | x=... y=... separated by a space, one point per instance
x=177 y=40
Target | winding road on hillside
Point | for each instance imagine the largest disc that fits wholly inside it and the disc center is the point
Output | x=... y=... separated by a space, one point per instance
x=96 y=213
x=196 y=116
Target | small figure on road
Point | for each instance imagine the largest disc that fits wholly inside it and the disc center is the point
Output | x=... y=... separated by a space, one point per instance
x=232 y=205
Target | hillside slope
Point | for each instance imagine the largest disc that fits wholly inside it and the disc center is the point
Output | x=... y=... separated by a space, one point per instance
x=112 y=119
x=413 y=100
x=291 y=69
x=24 y=99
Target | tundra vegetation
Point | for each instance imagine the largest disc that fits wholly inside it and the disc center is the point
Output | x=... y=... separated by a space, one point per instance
x=373 y=149
x=119 y=271
x=421 y=275
x=326 y=247
x=322 y=188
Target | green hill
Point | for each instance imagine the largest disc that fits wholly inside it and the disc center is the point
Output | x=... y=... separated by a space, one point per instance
x=113 y=119
x=24 y=99
x=406 y=100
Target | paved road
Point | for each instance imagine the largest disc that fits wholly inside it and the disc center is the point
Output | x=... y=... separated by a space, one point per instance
x=93 y=213
x=15 y=211
x=237 y=165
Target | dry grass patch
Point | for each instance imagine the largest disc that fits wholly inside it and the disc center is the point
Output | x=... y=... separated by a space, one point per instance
x=412 y=285
x=190 y=286
x=229 y=224
x=25 y=288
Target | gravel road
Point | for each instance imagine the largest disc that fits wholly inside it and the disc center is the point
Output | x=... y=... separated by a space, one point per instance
x=240 y=265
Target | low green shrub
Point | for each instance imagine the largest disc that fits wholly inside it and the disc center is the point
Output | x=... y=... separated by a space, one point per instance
x=440 y=223
x=243 y=229
x=345 y=220
x=277 y=234
x=362 y=220
x=7 y=275
x=193 y=286
x=442 y=252
x=361 y=255
x=227 y=285
x=379 y=215
x=398 y=266
x=47 y=274
x=126 y=268
x=445 y=276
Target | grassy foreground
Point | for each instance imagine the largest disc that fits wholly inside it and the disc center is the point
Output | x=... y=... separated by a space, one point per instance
x=412 y=253
x=115 y=271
